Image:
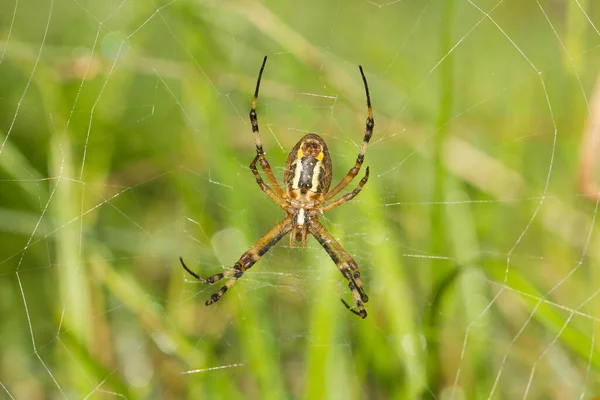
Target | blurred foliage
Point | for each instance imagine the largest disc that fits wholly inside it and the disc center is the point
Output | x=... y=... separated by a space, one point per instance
x=125 y=143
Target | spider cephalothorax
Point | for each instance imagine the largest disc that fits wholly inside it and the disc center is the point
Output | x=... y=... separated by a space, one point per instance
x=307 y=178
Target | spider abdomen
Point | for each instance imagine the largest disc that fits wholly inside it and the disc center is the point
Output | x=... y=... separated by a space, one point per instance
x=308 y=168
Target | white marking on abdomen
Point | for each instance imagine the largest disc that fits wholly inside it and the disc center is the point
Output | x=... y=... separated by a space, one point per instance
x=297 y=172
x=300 y=219
x=315 y=177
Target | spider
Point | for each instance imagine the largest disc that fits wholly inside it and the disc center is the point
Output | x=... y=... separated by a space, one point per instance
x=307 y=178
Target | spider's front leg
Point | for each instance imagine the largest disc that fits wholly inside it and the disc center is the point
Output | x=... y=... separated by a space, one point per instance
x=247 y=260
x=260 y=153
x=265 y=188
x=347 y=196
x=370 y=124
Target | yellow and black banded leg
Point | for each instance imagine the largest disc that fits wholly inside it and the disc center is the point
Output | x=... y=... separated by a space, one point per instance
x=363 y=149
x=259 y=147
x=347 y=258
x=353 y=266
x=247 y=260
x=265 y=188
x=347 y=196
x=344 y=263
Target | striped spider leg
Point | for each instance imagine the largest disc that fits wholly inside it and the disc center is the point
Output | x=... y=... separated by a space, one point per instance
x=247 y=260
x=345 y=263
x=258 y=142
x=370 y=124
x=307 y=178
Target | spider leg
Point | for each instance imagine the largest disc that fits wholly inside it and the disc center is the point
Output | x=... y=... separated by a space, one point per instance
x=259 y=147
x=348 y=259
x=347 y=196
x=265 y=188
x=353 y=311
x=345 y=264
x=247 y=260
x=363 y=149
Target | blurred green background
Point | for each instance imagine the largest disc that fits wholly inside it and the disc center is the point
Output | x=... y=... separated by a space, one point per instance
x=125 y=144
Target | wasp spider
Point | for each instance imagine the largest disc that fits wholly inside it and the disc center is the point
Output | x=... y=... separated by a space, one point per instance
x=307 y=178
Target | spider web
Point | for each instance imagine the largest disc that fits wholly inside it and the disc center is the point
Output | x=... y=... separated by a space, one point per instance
x=125 y=143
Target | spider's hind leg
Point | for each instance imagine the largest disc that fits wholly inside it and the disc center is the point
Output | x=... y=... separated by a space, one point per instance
x=345 y=263
x=247 y=260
